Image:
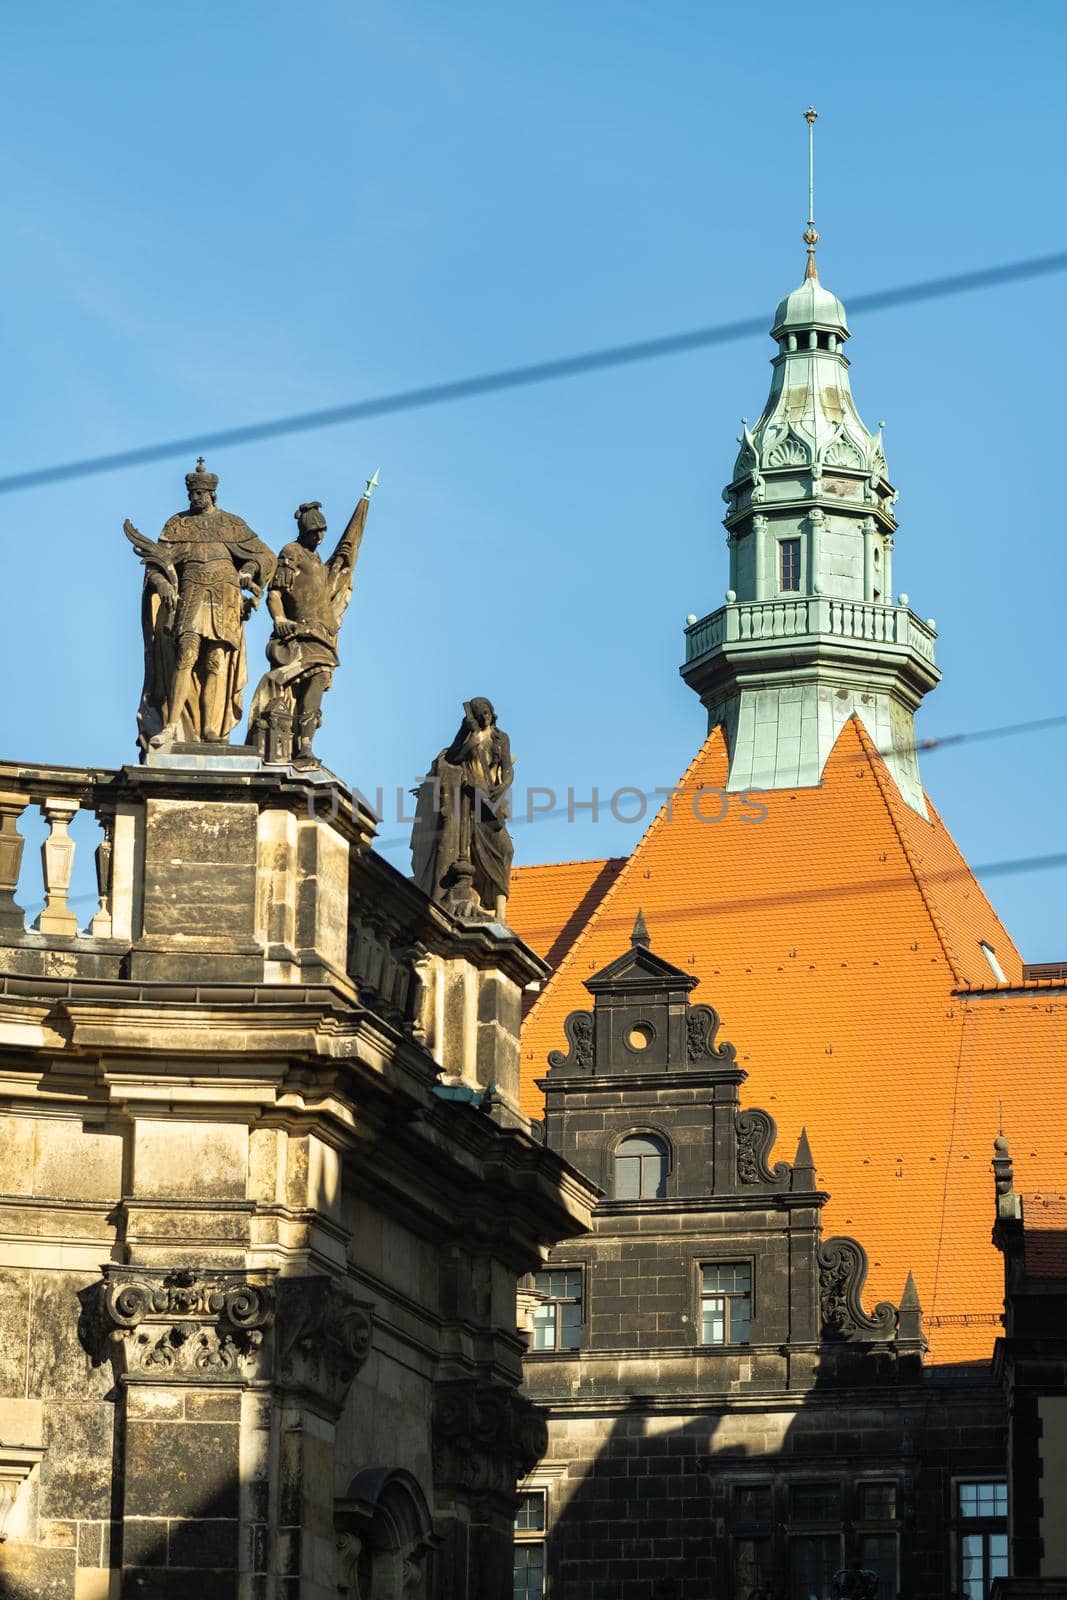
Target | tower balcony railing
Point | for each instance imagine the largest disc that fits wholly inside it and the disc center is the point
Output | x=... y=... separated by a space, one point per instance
x=744 y=621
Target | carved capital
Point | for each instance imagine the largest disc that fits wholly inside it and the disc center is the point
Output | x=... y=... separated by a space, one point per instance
x=323 y=1338
x=485 y=1438
x=179 y=1325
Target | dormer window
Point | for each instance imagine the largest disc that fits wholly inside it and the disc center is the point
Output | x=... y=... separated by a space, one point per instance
x=991 y=960
x=789 y=565
x=641 y=1168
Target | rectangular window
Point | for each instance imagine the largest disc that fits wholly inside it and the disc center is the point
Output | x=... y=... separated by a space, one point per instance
x=983 y=1499
x=878 y=1554
x=529 y=1562
x=789 y=564
x=814 y=1503
x=752 y=1505
x=726 y=1303
x=813 y=1560
x=752 y=1567
x=982 y=1509
x=878 y=1502
x=530 y=1517
x=557 y=1321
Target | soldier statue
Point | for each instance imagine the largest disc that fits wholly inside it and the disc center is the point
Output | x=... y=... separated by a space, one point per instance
x=460 y=846
x=192 y=614
x=306 y=600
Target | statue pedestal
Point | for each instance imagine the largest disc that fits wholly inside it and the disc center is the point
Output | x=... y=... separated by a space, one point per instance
x=185 y=756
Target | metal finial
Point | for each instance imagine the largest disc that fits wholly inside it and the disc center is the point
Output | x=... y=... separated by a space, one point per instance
x=372 y=483
x=199 y=463
x=811 y=238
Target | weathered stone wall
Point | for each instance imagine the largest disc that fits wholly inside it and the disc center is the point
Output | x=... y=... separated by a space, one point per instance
x=648 y=1488
x=257 y=1275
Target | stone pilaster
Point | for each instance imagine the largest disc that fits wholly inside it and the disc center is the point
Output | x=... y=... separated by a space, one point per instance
x=322 y=1340
x=187 y=1346
x=486 y=1437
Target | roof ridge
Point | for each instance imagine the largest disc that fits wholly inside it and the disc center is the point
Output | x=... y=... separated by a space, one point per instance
x=623 y=873
x=575 y=861
x=883 y=778
x=990 y=907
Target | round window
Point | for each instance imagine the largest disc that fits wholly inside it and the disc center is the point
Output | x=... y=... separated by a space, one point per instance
x=640 y=1036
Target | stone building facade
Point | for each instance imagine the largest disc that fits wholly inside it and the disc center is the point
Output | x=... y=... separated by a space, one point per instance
x=1031 y=1361
x=264 y=1199
x=726 y=1415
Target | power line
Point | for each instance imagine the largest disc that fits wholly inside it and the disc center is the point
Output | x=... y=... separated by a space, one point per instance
x=1041 y=725
x=518 y=377
x=937 y=742
x=788 y=897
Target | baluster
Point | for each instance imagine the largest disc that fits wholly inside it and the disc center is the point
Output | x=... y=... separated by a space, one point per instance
x=101 y=926
x=12 y=844
x=57 y=857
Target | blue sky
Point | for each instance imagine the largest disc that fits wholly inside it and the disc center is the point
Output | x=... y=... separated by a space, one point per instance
x=216 y=214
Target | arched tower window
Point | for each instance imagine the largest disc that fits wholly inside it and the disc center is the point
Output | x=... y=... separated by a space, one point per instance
x=641 y=1168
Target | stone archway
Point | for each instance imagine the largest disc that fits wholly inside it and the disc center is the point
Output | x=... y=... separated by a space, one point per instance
x=384 y=1535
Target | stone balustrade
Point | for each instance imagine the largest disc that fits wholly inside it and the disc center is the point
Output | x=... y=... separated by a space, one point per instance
x=247 y=877
x=59 y=793
x=808 y=616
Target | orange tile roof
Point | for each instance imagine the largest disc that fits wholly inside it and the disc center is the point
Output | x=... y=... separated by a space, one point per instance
x=553 y=903
x=839 y=941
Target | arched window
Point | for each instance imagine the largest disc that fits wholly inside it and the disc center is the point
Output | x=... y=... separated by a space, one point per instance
x=641 y=1168
x=384 y=1534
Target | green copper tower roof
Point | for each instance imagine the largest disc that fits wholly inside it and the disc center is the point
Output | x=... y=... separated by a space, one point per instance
x=810 y=307
x=810 y=634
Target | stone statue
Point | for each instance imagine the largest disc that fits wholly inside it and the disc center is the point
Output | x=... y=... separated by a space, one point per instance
x=192 y=615
x=460 y=846
x=307 y=600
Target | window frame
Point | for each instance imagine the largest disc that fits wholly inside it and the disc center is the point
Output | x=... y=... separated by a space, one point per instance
x=983 y=1527
x=532 y=1538
x=794 y=542
x=702 y=1264
x=779 y=1528
x=610 y=1177
x=577 y=1269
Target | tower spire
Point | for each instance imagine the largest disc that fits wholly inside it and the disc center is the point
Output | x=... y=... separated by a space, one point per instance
x=811 y=238
x=809 y=514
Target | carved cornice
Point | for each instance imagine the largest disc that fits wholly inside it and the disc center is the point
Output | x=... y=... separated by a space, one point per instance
x=323 y=1338
x=842 y=1274
x=179 y=1325
x=486 y=1437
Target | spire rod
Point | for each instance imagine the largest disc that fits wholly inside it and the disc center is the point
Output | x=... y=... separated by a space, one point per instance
x=811 y=238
